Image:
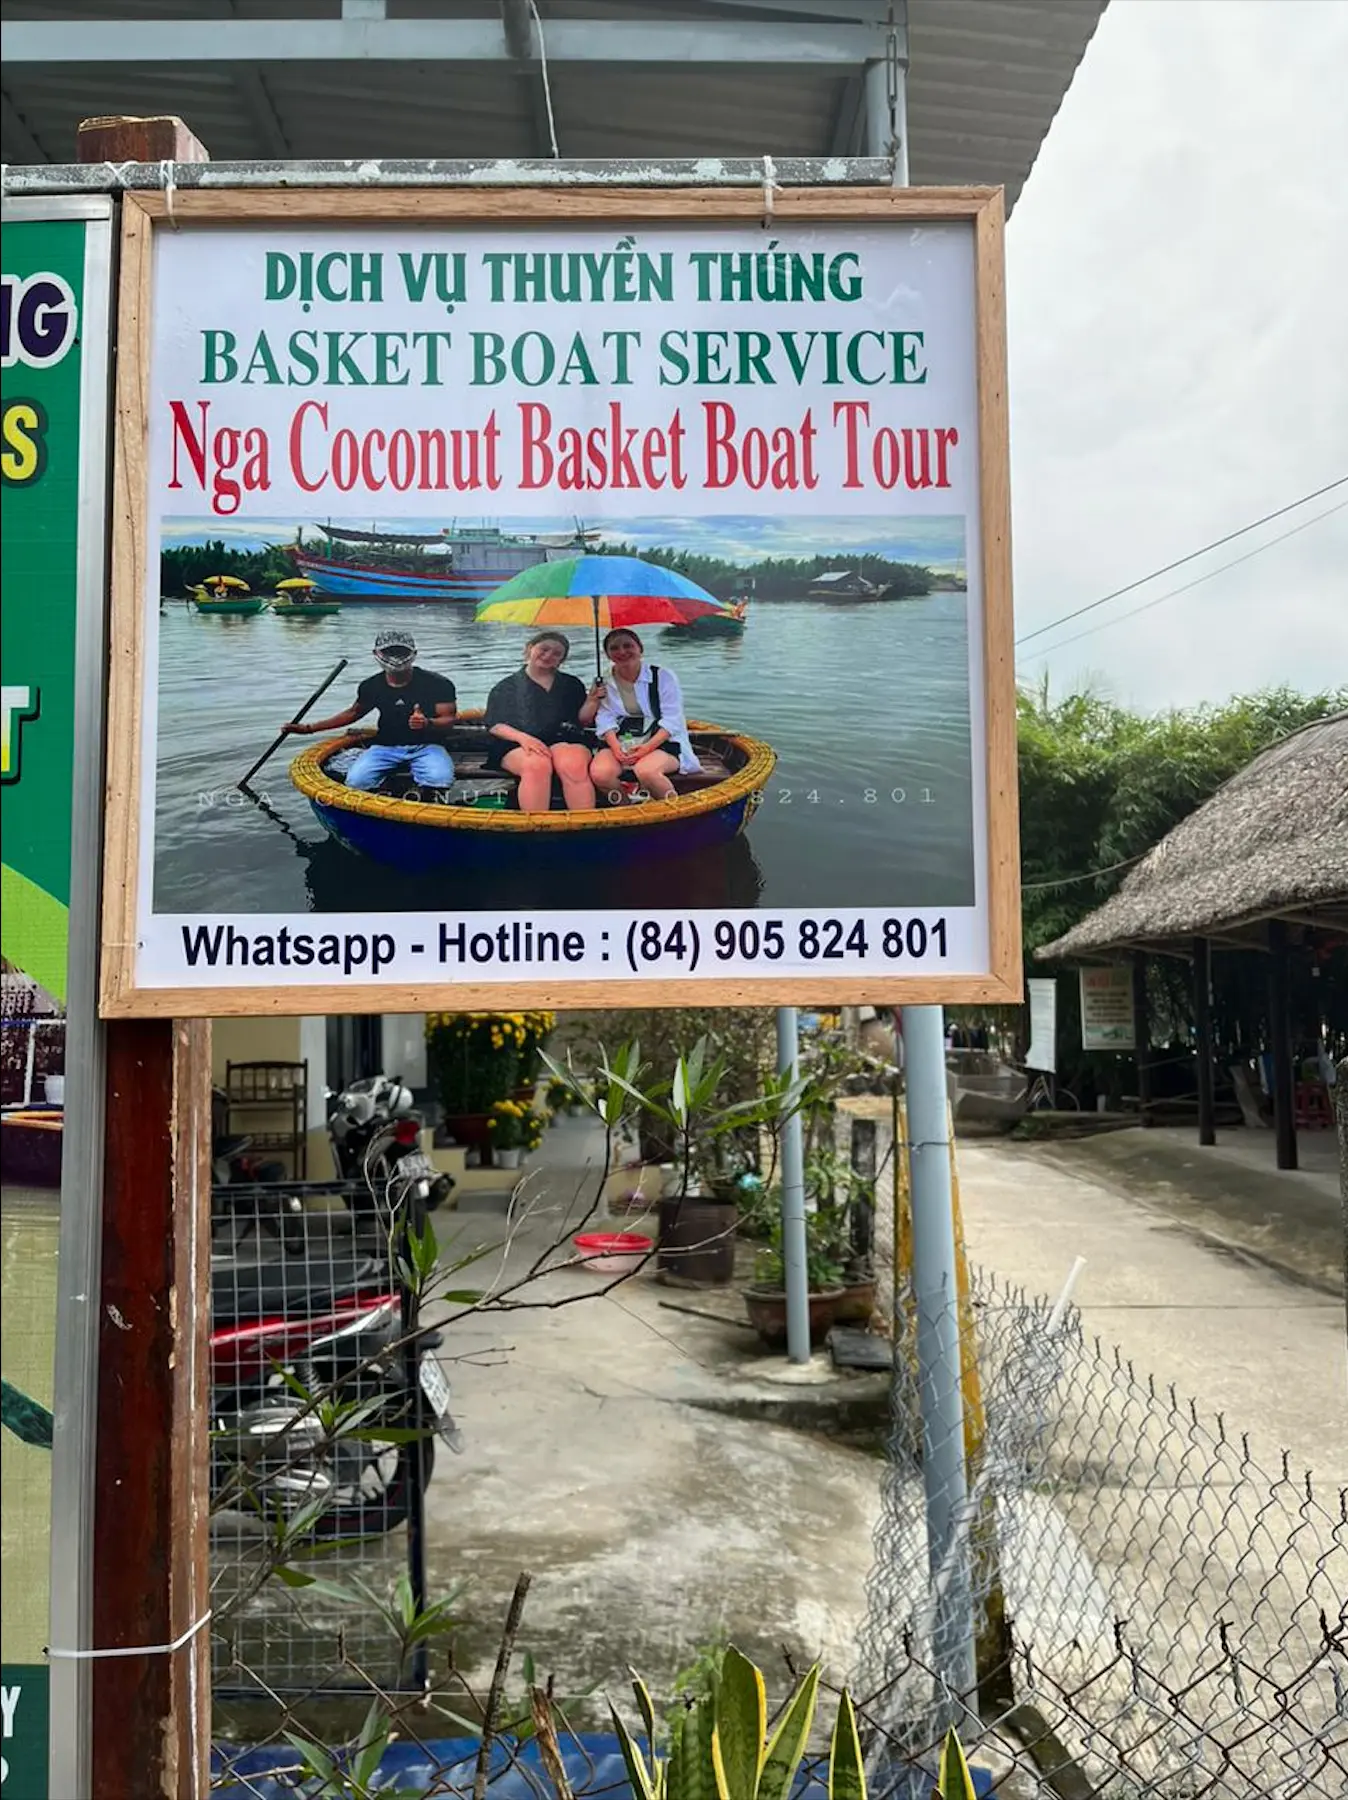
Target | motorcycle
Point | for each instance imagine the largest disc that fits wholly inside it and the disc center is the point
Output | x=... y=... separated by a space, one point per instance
x=287 y=1344
x=375 y=1133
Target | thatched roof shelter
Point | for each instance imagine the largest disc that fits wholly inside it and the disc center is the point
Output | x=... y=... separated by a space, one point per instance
x=1271 y=844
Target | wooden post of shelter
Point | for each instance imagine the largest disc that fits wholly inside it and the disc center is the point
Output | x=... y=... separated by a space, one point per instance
x=1142 y=1036
x=1280 y=1047
x=1207 y=1118
x=150 y=1655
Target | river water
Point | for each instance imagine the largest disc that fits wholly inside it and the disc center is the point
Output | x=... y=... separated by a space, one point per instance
x=865 y=705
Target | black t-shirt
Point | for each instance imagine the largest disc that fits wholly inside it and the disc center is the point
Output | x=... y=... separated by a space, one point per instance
x=394 y=704
x=522 y=702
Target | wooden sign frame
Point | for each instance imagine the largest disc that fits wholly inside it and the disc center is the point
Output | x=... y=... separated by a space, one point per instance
x=145 y=213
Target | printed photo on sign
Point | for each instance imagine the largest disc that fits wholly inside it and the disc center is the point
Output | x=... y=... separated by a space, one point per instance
x=565 y=602
x=730 y=711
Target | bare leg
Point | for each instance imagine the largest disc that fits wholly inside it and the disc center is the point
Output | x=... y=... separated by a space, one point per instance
x=654 y=771
x=604 y=772
x=572 y=763
x=535 y=779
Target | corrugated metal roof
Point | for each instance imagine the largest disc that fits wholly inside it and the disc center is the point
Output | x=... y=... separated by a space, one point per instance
x=985 y=80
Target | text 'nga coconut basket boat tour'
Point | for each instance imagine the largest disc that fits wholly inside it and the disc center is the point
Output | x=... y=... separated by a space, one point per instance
x=476 y=823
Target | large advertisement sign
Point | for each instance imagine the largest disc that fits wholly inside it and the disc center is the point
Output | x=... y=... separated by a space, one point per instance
x=632 y=596
x=53 y=326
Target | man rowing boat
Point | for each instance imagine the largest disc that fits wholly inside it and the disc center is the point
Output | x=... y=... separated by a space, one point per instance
x=411 y=703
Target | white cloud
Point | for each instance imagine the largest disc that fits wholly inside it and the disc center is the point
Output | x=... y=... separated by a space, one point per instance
x=1178 y=291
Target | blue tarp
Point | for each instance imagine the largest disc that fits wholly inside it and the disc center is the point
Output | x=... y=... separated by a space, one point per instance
x=593 y=1765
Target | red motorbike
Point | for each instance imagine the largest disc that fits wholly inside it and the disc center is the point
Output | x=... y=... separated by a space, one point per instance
x=286 y=1334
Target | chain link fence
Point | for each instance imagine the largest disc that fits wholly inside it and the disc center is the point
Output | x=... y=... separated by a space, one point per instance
x=1156 y=1612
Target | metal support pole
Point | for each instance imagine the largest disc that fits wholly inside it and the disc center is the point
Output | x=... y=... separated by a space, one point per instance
x=1207 y=1118
x=945 y=1473
x=795 y=1275
x=1282 y=1081
x=1142 y=1036
x=885 y=105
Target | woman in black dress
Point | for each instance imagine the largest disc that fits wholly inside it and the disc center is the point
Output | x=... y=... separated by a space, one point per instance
x=537 y=719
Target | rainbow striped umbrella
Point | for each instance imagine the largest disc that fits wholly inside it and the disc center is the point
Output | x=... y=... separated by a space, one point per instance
x=600 y=591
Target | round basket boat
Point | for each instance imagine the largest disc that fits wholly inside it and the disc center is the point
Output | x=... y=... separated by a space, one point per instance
x=708 y=808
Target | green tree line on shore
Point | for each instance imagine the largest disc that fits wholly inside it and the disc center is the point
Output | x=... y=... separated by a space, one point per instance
x=782 y=577
x=182 y=566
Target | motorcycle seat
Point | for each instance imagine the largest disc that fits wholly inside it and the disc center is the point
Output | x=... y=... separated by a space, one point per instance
x=292 y=1290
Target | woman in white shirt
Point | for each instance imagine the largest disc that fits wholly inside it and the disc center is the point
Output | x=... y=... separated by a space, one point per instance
x=642 y=729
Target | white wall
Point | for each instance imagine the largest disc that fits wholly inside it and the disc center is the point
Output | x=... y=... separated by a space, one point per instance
x=405 y=1047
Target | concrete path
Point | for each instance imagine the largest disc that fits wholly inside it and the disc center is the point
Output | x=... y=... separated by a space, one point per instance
x=1230 y=1192
x=651 y=1526
x=1235 y=1334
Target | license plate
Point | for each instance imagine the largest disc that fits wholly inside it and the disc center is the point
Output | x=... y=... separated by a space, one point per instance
x=435 y=1386
x=417 y=1164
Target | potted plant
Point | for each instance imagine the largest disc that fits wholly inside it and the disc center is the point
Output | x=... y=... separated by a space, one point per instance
x=715 y=1149
x=532 y=1127
x=765 y=1298
x=697 y=1226
x=845 y=1203
x=505 y=1125
x=473 y=1061
x=559 y=1099
x=532 y=1030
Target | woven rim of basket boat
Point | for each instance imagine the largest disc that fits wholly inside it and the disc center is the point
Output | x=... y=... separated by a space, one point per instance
x=308 y=774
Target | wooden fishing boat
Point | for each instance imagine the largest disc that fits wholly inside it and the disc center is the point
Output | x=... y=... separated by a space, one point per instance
x=474 y=828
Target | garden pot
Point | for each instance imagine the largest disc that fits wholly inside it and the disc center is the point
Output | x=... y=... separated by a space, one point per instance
x=507 y=1159
x=697 y=1241
x=856 y=1303
x=469 y=1129
x=766 y=1307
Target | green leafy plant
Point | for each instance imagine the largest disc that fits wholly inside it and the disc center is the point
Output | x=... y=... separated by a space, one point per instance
x=473 y=1059
x=825 y=1263
x=719 y=1747
x=506 y=1124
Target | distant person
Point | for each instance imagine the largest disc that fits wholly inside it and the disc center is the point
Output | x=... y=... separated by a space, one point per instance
x=412 y=704
x=538 y=719
x=644 y=734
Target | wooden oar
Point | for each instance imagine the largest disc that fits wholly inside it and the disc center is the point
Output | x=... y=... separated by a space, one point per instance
x=317 y=695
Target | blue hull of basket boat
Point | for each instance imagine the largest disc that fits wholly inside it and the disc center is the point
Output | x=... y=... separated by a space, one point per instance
x=421 y=849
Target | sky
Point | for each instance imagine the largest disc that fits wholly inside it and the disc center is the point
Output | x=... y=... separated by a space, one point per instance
x=1178 y=328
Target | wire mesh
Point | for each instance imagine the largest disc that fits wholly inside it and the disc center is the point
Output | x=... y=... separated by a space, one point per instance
x=310 y=1322
x=1167 y=1614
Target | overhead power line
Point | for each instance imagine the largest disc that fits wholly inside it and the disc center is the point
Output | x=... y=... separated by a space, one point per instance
x=1198 y=581
x=1180 y=561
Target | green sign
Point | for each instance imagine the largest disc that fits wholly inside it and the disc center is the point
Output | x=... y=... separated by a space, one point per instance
x=23 y=1761
x=40 y=469
x=41 y=337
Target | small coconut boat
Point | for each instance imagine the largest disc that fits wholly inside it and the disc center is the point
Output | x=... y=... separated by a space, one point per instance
x=477 y=825
x=226 y=596
x=298 y=598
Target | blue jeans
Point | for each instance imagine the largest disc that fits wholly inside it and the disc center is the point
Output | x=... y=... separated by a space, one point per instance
x=430 y=765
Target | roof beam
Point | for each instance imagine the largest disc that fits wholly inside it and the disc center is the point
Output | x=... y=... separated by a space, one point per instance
x=16 y=128
x=119 y=41
x=252 y=89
